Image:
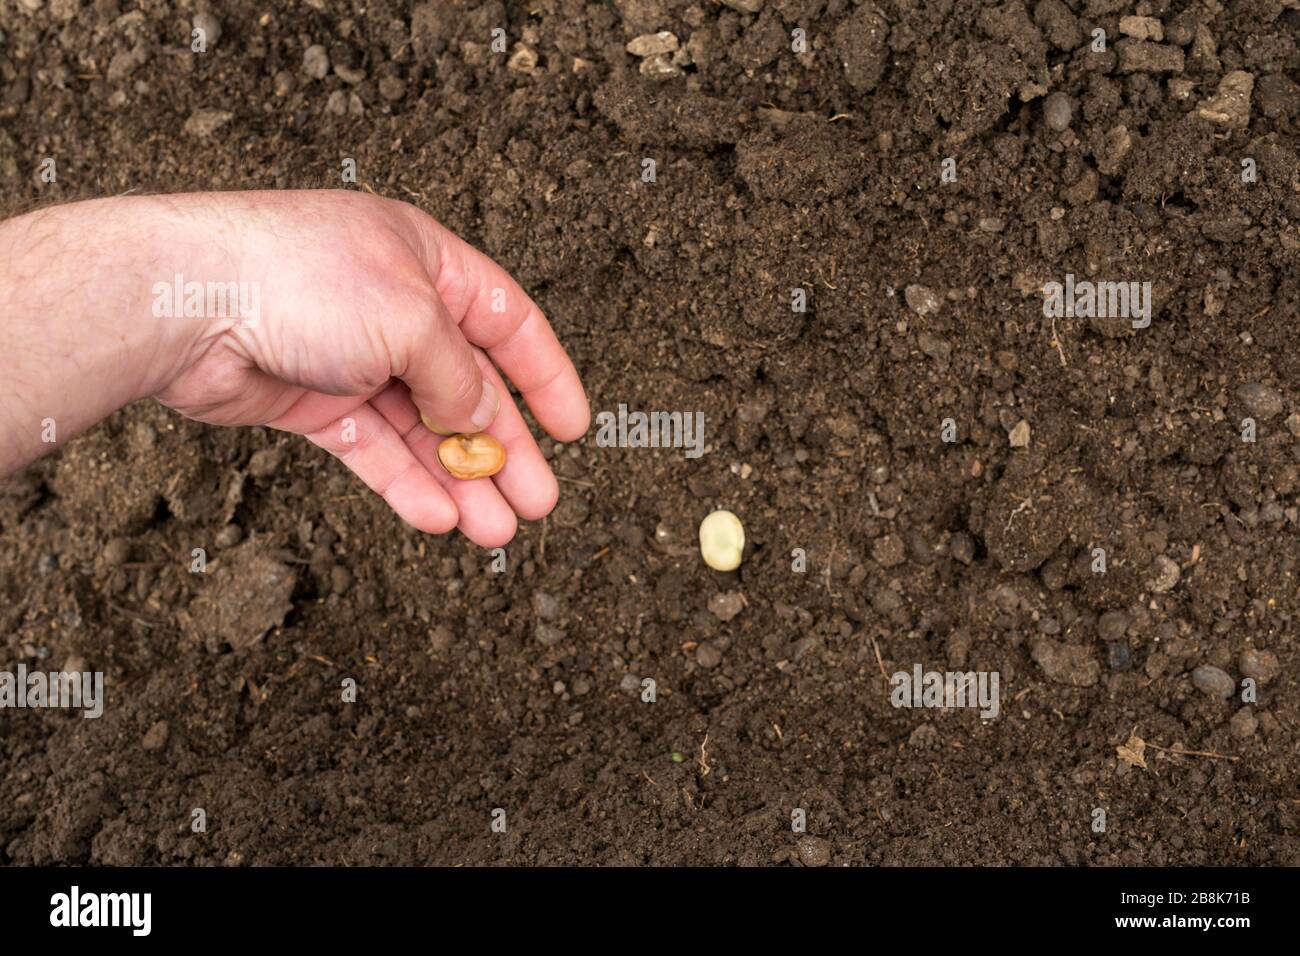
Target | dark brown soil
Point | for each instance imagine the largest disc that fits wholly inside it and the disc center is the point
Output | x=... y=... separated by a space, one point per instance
x=774 y=171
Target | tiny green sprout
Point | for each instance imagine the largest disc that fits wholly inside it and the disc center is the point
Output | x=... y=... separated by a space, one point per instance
x=678 y=756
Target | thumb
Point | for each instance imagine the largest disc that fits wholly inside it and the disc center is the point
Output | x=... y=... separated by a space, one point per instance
x=446 y=383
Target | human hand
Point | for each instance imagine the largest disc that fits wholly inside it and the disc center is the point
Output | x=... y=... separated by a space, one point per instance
x=365 y=313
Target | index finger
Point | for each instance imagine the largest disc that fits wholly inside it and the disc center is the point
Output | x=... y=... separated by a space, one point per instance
x=495 y=314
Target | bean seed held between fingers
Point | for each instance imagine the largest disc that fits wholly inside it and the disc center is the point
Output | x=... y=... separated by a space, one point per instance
x=472 y=456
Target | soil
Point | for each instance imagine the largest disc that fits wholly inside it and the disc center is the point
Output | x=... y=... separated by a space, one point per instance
x=774 y=170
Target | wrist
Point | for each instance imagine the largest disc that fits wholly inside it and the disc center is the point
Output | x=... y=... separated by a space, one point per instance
x=81 y=295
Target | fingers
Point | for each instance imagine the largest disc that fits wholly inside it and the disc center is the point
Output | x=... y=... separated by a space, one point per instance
x=376 y=453
x=434 y=359
x=484 y=516
x=494 y=313
x=526 y=481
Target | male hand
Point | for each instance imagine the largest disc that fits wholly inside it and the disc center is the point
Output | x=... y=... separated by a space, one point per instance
x=360 y=314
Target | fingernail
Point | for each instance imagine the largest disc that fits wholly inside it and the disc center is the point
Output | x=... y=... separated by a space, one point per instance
x=488 y=406
x=434 y=427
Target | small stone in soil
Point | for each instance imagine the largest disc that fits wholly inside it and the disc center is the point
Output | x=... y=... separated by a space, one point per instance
x=921 y=300
x=1259 y=400
x=1243 y=724
x=545 y=606
x=1261 y=666
x=156 y=737
x=1113 y=625
x=814 y=851
x=1213 y=681
x=547 y=635
x=1058 y=111
x=726 y=606
x=441 y=639
x=889 y=550
x=708 y=656
x=316 y=62
x=210 y=26
x=1165 y=576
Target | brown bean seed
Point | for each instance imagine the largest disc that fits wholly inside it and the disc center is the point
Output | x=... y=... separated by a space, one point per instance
x=472 y=456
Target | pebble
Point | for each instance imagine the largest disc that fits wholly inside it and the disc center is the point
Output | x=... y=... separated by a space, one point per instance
x=441 y=639
x=652 y=44
x=1261 y=666
x=1230 y=105
x=1182 y=28
x=1142 y=28
x=814 y=851
x=1213 y=681
x=630 y=684
x=283 y=83
x=545 y=606
x=726 y=606
x=962 y=547
x=522 y=60
x=1166 y=576
x=1113 y=625
x=921 y=300
x=203 y=123
x=392 y=88
x=117 y=552
x=340 y=579
x=1260 y=401
x=265 y=462
x=1116 y=146
x=316 y=62
x=708 y=656
x=889 y=550
x=156 y=737
x=1019 y=435
x=229 y=536
x=1058 y=111
x=1243 y=724
x=210 y=26
x=744 y=6
x=548 y=635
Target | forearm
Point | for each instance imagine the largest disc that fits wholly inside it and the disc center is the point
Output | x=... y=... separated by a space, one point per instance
x=78 y=309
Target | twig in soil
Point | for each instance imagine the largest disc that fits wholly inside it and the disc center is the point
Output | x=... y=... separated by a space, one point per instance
x=883 y=672
x=1027 y=503
x=576 y=481
x=703 y=761
x=1193 y=753
x=138 y=618
x=1056 y=341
